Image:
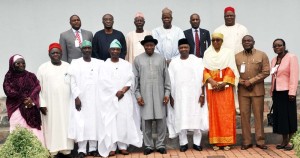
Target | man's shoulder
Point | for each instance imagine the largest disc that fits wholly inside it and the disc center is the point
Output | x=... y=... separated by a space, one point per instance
x=187 y=31
x=203 y=30
x=42 y=66
x=86 y=31
x=99 y=32
x=240 y=26
x=220 y=28
x=66 y=32
x=117 y=32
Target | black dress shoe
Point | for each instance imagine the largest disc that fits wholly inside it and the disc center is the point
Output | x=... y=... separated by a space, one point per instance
x=197 y=147
x=162 y=150
x=183 y=148
x=148 y=151
x=81 y=155
x=245 y=147
x=94 y=153
x=279 y=146
x=263 y=146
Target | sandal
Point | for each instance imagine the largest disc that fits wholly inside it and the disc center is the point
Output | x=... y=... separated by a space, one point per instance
x=216 y=148
x=227 y=148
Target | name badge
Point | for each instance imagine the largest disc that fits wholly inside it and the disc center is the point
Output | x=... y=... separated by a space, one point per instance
x=76 y=43
x=243 y=68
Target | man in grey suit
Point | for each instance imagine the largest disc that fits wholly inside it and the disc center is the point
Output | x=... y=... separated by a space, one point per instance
x=70 y=40
x=196 y=35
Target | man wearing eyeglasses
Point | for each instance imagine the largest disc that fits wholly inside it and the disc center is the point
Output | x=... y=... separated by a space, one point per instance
x=233 y=32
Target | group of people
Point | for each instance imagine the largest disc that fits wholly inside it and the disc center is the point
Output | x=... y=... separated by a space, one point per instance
x=115 y=87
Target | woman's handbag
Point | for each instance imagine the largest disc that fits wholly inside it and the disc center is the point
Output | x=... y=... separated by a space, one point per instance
x=270 y=117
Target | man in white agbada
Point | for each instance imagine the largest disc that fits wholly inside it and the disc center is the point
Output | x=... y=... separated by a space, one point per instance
x=55 y=99
x=233 y=35
x=133 y=38
x=167 y=36
x=118 y=110
x=233 y=32
x=84 y=74
x=187 y=111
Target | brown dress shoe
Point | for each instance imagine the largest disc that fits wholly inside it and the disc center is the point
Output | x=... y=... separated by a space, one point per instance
x=124 y=152
x=262 y=146
x=245 y=147
x=112 y=153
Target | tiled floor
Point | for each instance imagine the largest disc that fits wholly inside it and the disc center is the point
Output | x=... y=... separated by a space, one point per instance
x=209 y=153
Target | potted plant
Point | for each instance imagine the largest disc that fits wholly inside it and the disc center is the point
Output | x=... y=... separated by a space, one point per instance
x=23 y=143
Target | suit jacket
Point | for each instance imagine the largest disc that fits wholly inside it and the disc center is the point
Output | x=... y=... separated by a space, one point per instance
x=67 y=42
x=204 y=40
x=257 y=68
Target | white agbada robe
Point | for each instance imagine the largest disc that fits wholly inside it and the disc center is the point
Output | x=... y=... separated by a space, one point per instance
x=134 y=46
x=186 y=82
x=121 y=118
x=233 y=36
x=85 y=85
x=56 y=96
x=167 y=39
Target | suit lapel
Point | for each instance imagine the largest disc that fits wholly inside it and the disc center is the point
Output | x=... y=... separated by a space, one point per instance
x=191 y=36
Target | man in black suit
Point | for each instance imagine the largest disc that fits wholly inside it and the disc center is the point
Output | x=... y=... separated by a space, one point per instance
x=202 y=34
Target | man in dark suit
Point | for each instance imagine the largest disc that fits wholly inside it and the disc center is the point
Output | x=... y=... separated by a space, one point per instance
x=203 y=37
x=71 y=40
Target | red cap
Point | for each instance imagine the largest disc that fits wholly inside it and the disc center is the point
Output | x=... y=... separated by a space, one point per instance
x=54 y=45
x=229 y=9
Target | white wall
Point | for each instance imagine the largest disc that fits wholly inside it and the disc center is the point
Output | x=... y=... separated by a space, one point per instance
x=29 y=26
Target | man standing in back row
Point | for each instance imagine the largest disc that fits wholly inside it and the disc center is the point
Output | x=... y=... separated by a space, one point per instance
x=167 y=36
x=71 y=40
x=103 y=38
x=198 y=38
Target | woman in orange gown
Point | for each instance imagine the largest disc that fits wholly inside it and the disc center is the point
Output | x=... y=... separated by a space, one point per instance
x=221 y=76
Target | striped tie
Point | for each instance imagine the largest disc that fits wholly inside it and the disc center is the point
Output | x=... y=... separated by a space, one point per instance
x=78 y=37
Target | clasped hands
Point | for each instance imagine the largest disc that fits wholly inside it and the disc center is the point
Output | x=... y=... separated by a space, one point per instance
x=246 y=84
x=28 y=102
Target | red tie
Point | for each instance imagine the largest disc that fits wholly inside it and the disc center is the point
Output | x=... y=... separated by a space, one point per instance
x=78 y=37
x=197 y=44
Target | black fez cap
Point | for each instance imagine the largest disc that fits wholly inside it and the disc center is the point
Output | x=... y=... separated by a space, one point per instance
x=183 y=41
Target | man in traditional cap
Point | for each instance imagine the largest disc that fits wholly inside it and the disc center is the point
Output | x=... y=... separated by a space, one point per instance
x=71 y=40
x=187 y=111
x=119 y=111
x=254 y=67
x=55 y=100
x=85 y=78
x=103 y=38
x=167 y=36
x=152 y=93
x=198 y=38
x=233 y=34
x=133 y=38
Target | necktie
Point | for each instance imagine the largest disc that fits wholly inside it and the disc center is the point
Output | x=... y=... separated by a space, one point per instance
x=78 y=37
x=197 y=43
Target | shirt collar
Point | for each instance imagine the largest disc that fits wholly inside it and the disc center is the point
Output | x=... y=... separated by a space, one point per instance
x=195 y=29
x=79 y=30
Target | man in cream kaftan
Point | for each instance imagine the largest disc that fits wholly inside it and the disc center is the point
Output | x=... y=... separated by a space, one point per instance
x=55 y=99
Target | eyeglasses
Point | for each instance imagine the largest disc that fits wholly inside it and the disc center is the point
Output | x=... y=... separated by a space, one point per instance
x=278 y=45
x=216 y=40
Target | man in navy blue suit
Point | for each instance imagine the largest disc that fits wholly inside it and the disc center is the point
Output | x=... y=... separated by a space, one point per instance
x=198 y=38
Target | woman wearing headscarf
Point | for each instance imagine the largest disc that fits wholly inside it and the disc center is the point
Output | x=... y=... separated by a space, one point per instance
x=22 y=90
x=221 y=76
x=285 y=76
